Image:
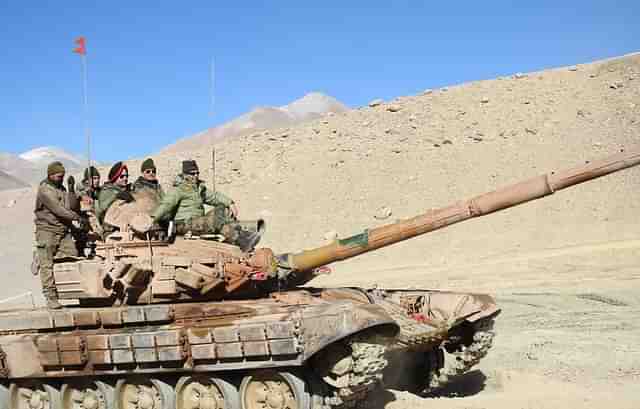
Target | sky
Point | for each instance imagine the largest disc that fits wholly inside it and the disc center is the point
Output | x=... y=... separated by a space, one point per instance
x=148 y=63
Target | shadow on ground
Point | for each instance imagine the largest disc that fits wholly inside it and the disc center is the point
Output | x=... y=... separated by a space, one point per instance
x=468 y=384
x=379 y=399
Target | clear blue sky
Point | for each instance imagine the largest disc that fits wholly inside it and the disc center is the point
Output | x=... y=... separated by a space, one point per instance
x=149 y=62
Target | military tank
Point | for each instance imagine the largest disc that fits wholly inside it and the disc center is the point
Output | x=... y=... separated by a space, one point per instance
x=154 y=321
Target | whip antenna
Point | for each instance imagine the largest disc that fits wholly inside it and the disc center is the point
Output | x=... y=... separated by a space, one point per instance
x=212 y=84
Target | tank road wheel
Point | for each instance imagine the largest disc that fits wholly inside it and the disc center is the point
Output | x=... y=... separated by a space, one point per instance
x=33 y=395
x=87 y=395
x=143 y=393
x=202 y=392
x=273 y=390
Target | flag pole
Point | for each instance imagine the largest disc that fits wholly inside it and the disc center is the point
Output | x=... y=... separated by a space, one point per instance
x=81 y=49
x=85 y=106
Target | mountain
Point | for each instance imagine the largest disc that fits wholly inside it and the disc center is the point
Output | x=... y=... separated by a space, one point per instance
x=30 y=167
x=46 y=154
x=311 y=106
x=20 y=169
x=10 y=182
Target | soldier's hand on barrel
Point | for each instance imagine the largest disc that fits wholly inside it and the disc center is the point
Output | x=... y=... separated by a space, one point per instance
x=77 y=224
x=234 y=210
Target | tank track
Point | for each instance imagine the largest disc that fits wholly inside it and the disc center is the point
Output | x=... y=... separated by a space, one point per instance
x=464 y=357
x=365 y=361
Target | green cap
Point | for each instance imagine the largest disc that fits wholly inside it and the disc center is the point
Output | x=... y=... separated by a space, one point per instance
x=55 y=167
x=147 y=165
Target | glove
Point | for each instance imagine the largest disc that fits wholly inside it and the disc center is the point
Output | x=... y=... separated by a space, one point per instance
x=71 y=184
x=77 y=224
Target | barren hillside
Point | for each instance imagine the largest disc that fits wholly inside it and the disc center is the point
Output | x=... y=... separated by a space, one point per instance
x=10 y=182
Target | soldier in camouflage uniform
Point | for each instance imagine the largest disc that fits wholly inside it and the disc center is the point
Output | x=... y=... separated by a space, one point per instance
x=90 y=187
x=87 y=197
x=185 y=205
x=53 y=221
x=117 y=188
x=148 y=182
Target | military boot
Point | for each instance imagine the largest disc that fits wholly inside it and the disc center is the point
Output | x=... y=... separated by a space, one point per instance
x=52 y=300
x=250 y=233
x=247 y=240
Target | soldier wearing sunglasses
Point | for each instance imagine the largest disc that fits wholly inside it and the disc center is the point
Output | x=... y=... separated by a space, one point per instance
x=185 y=205
x=117 y=187
x=148 y=183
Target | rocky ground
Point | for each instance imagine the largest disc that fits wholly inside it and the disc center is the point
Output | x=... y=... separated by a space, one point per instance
x=565 y=269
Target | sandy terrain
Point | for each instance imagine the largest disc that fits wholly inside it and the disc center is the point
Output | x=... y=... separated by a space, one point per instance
x=565 y=269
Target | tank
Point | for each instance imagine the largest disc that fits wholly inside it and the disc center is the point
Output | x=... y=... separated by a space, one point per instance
x=155 y=321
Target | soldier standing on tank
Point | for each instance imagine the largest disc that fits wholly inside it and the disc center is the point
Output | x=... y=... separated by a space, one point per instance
x=185 y=205
x=53 y=220
x=117 y=188
x=148 y=182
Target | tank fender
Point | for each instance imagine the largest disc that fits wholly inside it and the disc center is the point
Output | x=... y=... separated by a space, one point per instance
x=323 y=326
x=445 y=306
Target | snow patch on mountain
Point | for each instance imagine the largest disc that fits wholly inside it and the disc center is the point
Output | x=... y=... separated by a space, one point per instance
x=47 y=154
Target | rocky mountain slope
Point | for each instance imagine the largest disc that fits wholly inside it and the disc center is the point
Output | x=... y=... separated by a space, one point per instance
x=10 y=182
x=29 y=168
x=311 y=106
x=21 y=169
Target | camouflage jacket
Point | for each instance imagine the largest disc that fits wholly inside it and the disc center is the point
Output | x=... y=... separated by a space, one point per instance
x=187 y=201
x=141 y=185
x=85 y=189
x=52 y=208
x=109 y=193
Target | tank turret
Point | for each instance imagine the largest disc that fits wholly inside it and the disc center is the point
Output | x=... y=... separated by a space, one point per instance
x=156 y=267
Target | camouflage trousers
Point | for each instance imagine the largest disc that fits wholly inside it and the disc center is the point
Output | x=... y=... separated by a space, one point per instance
x=49 y=246
x=214 y=221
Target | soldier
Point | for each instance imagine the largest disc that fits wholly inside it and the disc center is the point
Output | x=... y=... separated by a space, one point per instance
x=90 y=187
x=117 y=187
x=148 y=182
x=185 y=205
x=53 y=223
x=86 y=199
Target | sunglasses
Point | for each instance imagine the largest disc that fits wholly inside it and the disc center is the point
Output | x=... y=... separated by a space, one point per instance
x=194 y=173
x=150 y=171
x=124 y=176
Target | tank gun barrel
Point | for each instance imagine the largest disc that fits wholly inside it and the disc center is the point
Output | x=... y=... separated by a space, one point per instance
x=515 y=194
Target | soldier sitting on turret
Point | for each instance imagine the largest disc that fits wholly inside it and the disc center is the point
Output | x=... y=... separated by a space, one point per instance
x=148 y=182
x=118 y=187
x=185 y=205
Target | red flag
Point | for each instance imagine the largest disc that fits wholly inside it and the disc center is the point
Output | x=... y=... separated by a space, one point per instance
x=82 y=46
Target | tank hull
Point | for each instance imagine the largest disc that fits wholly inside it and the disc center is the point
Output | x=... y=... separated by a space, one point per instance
x=302 y=336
